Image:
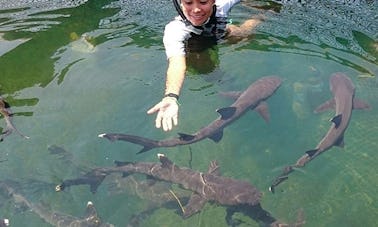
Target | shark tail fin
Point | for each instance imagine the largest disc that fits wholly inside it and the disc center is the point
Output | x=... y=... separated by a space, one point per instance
x=281 y=178
x=147 y=144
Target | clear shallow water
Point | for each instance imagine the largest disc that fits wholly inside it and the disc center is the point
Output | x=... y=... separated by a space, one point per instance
x=65 y=90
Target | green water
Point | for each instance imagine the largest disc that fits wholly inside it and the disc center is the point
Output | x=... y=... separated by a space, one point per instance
x=65 y=91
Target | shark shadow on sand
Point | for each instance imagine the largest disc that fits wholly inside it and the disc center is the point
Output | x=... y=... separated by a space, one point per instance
x=236 y=195
x=343 y=102
x=91 y=218
x=253 y=98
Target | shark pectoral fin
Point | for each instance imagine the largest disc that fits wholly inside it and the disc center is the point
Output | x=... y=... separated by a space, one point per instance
x=195 y=204
x=330 y=104
x=186 y=137
x=120 y=163
x=337 y=120
x=144 y=149
x=340 y=141
x=213 y=168
x=226 y=112
x=217 y=136
x=311 y=152
x=96 y=183
x=231 y=94
x=263 y=110
x=360 y=105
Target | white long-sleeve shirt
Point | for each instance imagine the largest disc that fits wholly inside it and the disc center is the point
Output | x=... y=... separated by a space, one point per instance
x=177 y=32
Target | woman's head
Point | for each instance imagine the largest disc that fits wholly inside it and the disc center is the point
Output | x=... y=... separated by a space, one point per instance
x=197 y=11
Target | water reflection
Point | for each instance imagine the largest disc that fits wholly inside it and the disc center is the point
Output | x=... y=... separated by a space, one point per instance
x=25 y=65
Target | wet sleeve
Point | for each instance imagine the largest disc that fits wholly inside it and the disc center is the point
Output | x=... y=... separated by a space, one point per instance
x=175 y=34
x=224 y=7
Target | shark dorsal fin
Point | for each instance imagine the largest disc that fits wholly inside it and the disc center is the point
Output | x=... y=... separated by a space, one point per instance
x=337 y=120
x=226 y=112
x=217 y=136
x=185 y=137
x=311 y=152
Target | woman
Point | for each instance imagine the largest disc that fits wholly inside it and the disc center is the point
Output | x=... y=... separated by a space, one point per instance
x=198 y=18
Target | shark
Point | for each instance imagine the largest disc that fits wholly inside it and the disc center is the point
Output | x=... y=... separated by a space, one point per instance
x=236 y=195
x=5 y=111
x=253 y=98
x=58 y=219
x=343 y=101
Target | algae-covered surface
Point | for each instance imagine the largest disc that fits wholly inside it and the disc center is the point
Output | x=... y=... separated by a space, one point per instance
x=75 y=69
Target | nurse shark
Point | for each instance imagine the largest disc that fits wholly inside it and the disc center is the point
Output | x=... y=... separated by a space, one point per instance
x=91 y=218
x=236 y=195
x=253 y=98
x=343 y=101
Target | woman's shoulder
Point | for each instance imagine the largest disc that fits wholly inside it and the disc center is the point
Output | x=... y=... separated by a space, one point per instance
x=176 y=23
x=176 y=30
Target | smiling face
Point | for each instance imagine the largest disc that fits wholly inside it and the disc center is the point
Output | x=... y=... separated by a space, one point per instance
x=197 y=11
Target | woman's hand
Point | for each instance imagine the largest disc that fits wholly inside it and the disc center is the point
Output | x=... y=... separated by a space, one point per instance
x=167 y=115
